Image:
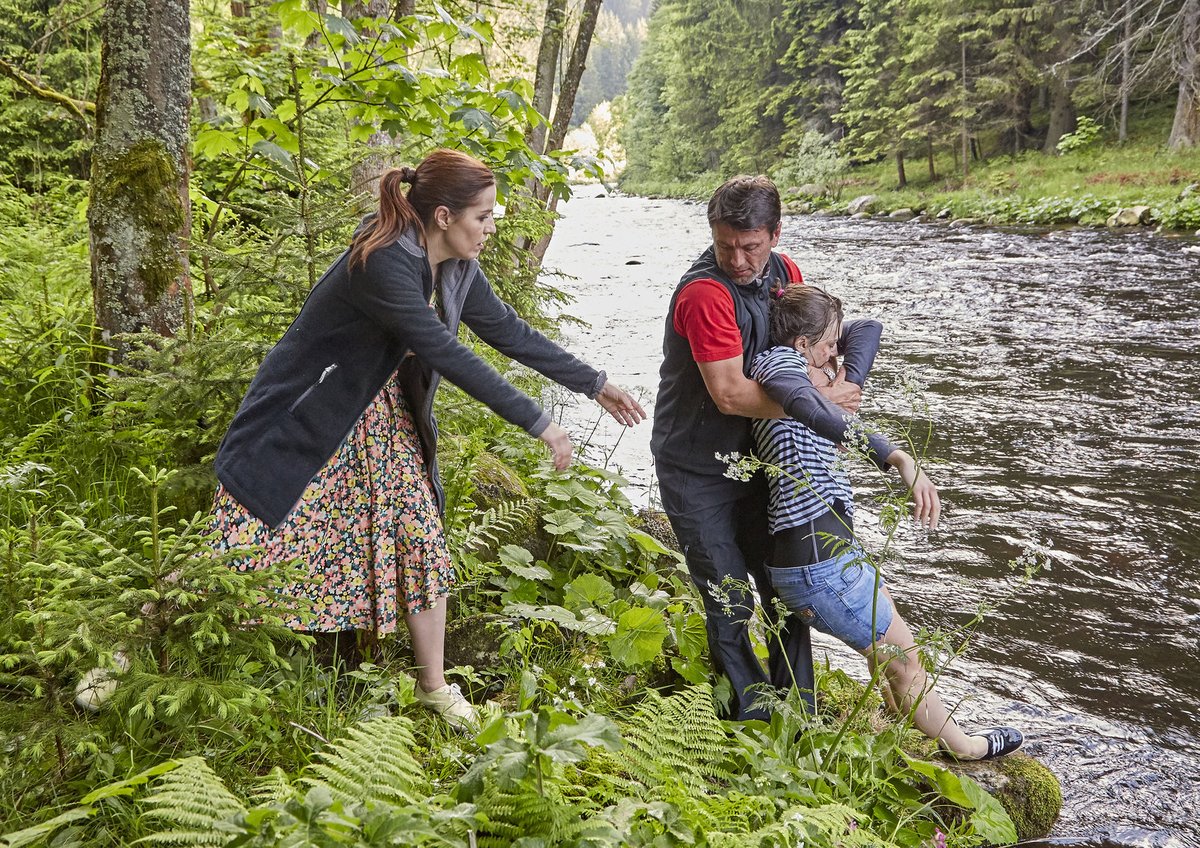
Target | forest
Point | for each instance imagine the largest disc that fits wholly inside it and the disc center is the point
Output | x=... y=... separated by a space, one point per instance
x=174 y=178
x=1029 y=112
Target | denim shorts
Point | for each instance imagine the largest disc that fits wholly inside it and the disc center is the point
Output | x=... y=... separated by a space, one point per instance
x=835 y=596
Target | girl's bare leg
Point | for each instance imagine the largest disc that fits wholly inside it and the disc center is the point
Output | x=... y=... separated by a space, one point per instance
x=908 y=684
x=428 y=631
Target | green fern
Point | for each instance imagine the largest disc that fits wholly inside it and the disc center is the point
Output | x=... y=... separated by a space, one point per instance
x=274 y=787
x=677 y=740
x=373 y=764
x=190 y=801
x=509 y=815
x=503 y=519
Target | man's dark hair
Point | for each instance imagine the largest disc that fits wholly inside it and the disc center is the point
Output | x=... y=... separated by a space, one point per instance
x=745 y=203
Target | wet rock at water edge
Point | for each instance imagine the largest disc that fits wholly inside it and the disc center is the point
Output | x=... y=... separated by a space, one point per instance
x=945 y=214
x=964 y=222
x=1028 y=791
x=859 y=216
x=902 y=214
x=822 y=213
x=863 y=203
x=797 y=207
x=1131 y=216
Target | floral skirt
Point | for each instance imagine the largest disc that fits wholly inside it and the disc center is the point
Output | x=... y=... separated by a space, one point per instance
x=367 y=527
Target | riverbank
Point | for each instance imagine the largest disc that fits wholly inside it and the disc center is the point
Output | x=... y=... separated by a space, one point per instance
x=1087 y=186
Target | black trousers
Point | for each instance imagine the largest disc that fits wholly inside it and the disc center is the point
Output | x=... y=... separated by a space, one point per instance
x=721 y=525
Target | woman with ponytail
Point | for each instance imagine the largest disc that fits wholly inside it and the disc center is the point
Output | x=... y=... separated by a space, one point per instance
x=331 y=459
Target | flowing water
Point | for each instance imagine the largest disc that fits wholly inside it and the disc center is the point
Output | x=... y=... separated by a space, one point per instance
x=1061 y=370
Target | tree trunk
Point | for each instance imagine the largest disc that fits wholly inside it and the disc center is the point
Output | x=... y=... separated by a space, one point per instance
x=966 y=148
x=901 y=178
x=547 y=68
x=138 y=212
x=1126 y=70
x=1062 y=111
x=565 y=105
x=1185 y=131
x=380 y=154
x=929 y=157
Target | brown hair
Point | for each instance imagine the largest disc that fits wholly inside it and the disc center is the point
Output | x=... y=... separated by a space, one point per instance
x=445 y=177
x=802 y=312
x=745 y=203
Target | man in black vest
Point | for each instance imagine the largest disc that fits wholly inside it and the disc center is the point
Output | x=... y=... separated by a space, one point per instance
x=717 y=324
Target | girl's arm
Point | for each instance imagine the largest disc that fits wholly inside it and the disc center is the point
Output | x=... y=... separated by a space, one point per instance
x=783 y=375
x=928 y=505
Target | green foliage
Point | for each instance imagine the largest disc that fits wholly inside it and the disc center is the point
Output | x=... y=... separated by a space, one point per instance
x=812 y=159
x=1087 y=133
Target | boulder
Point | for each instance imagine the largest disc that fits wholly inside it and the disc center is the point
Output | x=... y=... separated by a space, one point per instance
x=902 y=214
x=1028 y=791
x=794 y=207
x=822 y=213
x=1189 y=191
x=1131 y=216
x=864 y=203
x=945 y=213
x=964 y=222
x=811 y=190
x=858 y=216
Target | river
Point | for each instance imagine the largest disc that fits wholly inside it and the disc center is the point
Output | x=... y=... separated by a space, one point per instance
x=1062 y=380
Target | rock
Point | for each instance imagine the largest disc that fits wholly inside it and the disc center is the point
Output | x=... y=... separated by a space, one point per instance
x=655 y=523
x=793 y=207
x=1131 y=216
x=902 y=214
x=822 y=213
x=964 y=222
x=1189 y=191
x=858 y=216
x=861 y=204
x=945 y=213
x=1028 y=791
x=811 y=190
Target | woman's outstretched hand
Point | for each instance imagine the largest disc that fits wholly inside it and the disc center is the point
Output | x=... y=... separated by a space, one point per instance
x=620 y=404
x=927 y=505
x=561 y=450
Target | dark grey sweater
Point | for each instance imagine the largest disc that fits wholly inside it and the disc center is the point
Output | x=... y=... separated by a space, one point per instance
x=352 y=333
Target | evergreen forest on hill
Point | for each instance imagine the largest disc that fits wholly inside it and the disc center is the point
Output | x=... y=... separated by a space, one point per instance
x=174 y=178
x=1042 y=112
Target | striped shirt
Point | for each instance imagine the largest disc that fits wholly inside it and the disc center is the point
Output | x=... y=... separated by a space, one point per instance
x=789 y=445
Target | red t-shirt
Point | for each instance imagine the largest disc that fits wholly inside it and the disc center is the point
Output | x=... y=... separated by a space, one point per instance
x=704 y=315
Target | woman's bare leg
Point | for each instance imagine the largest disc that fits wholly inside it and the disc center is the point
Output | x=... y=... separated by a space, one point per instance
x=907 y=683
x=428 y=631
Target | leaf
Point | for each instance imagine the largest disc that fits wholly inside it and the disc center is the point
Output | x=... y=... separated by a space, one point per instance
x=272 y=151
x=587 y=590
x=649 y=544
x=212 y=143
x=562 y=521
x=990 y=819
x=337 y=25
x=640 y=634
x=565 y=743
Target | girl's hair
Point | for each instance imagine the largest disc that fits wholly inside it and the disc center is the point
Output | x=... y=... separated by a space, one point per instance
x=802 y=311
x=447 y=178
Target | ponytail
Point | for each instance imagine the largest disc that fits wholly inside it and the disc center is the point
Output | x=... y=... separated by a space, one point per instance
x=395 y=216
x=447 y=178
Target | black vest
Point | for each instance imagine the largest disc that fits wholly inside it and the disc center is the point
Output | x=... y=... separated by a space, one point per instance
x=689 y=430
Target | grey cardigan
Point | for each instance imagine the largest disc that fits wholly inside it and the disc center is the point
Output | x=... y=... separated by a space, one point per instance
x=354 y=330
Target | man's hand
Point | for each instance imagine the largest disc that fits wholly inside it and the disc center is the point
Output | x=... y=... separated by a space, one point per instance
x=620 y=404
x=845 y=394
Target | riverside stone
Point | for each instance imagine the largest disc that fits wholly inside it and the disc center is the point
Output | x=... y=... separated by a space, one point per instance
x=964 y=222
x=902 y=214
x=1131 y=216
x=863 y=203
x=1028 y=791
